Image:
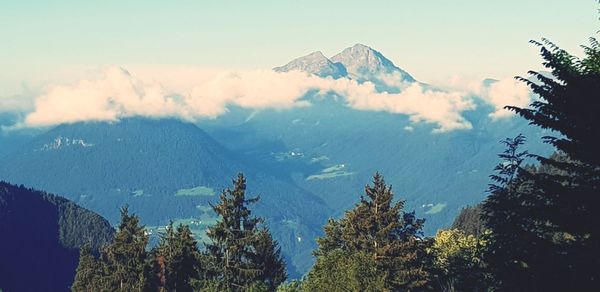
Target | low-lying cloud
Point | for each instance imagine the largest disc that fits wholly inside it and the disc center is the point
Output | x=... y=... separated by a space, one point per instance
x=117 y=94
x=507 y=92
x=496 y=93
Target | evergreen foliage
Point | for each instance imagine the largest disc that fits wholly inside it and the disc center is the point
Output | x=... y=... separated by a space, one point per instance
x=544 y=220
x=343 y=271
x=270 y=260
x=125 y=258
x=177 y=260
x=377 y=229
x=40 y=235
x=86 y=275
x=242 y=254
x=241 y=257
x=469 y=221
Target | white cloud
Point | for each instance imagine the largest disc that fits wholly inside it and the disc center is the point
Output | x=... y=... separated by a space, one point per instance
x=507 y=92
x=116 y=94
x=194 y=94
x=419 y=103
x=497 y=93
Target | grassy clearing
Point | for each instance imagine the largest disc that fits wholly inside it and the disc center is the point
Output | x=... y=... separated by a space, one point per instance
x=197 y=191
x=337 y=170
x=436 y=208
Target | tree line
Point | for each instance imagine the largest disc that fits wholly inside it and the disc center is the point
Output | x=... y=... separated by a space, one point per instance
x=536 y=231
x=242 y=255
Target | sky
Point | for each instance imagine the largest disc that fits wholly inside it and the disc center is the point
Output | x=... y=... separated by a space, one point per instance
x=44 y=43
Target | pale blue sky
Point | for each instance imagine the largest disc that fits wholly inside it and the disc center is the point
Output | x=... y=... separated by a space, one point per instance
x=432 y=40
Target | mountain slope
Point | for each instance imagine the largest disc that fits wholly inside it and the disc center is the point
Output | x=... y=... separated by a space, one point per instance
x=165 y=170
x=332 y=151
x=314 y=63
x=364 y=64
x=41 y=237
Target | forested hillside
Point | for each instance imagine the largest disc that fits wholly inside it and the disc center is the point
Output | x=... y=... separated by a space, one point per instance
x=41 y=235
x=164 y=170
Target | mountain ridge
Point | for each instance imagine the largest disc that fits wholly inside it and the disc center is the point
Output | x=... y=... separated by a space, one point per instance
x=358 y=62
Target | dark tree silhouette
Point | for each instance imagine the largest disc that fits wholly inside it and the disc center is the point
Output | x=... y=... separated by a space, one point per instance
x=545 y=220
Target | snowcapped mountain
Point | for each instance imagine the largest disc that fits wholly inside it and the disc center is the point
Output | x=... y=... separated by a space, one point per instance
x=314 y=63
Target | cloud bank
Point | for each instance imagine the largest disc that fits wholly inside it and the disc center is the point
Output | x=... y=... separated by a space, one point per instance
x=496 y=93
x=507 y=92
x=116 y=94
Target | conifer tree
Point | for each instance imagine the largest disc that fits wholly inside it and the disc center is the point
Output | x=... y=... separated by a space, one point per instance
x=514 y=241
x=376 y=224
x=239 y=250
x=544 y=222
x=177 y=259
x=378 y=227
x=87 y=271
x=332 y=239
x=125 y=258
x=342 y=271
x=268 y=257
x=469 y=221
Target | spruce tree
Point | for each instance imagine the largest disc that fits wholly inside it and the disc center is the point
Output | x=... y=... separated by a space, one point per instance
x=87 y=271
x=570 y=192
x=239 y=252
x=332 y=239
x=177 y=259
x=342 y=271
x=125 y=259
x=544 y=222
x=469 y=221
x=378 y=227
x=268 y=257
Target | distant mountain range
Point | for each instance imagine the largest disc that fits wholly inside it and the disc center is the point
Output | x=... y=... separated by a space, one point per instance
x=41 y=236
x=307 y=163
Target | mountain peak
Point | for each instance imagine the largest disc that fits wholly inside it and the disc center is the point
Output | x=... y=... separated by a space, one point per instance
x=359 y=46
x=363 y=63
x=359 y=62
x=314 y=63
x=316 y=55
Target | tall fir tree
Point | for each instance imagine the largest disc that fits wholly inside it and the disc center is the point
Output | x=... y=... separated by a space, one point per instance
x=239 y=251
x=86 y=276
x=377 y=226
x=268 y=257
x=125 y=259
x=548 y=219
x=507 y=217
x=176 y=260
